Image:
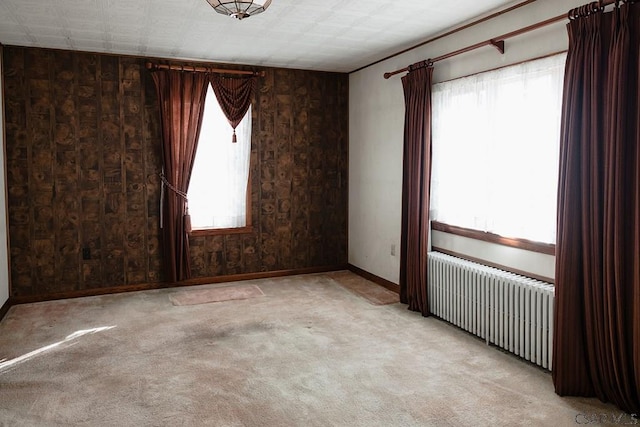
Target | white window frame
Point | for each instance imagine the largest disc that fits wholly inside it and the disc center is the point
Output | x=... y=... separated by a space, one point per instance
x=491 y=132
x=219 y=189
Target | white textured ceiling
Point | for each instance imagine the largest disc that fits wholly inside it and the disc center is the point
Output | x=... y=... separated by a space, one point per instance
x=329 y=35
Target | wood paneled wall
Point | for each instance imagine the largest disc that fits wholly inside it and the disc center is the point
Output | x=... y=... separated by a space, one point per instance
x=83 y=154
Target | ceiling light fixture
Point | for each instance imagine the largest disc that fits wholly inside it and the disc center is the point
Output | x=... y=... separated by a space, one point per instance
x=239 y=9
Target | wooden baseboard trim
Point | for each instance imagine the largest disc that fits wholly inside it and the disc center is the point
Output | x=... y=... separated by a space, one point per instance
x=495 y=265
x=5 y=308
x=163 y=285
x=375 y=279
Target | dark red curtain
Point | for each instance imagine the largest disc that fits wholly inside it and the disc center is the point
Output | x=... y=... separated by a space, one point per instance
x=597 y=325
x=234 y=95
x=181 y=97
x=416 y=181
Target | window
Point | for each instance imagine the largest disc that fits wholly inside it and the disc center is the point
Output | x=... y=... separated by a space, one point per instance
x=220 y=177
x=495 y=150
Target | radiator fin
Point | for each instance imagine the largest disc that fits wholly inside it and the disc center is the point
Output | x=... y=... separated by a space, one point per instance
x=505 y=309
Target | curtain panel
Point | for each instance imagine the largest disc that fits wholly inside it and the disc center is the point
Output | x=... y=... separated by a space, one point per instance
x=597 y=324
x=414 y=243
x=234 y=95
x=181 y=96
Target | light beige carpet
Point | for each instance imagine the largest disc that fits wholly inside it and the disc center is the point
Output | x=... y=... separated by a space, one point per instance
x=308 y=353
x=204 y=296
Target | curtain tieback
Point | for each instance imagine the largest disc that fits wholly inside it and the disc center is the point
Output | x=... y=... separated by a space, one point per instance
x=166 y=184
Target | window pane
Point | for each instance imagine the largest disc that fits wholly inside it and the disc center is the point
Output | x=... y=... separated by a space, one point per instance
x=495 y=150
x=218 y=186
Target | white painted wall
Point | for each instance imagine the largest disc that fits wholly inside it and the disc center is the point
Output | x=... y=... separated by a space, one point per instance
x=376 y=121
x=4 y=259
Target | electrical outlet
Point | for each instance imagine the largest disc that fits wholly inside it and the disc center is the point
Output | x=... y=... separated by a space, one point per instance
x=86 y=253
x=393 y=250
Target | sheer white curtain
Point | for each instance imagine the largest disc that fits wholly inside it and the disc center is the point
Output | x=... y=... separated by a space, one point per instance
x=218 y=187
x=495 y=150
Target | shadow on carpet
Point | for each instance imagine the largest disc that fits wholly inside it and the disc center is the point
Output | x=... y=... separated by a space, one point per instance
x=372 y=292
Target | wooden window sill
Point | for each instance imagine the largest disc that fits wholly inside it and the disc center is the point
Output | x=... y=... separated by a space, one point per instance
x=543 y=248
